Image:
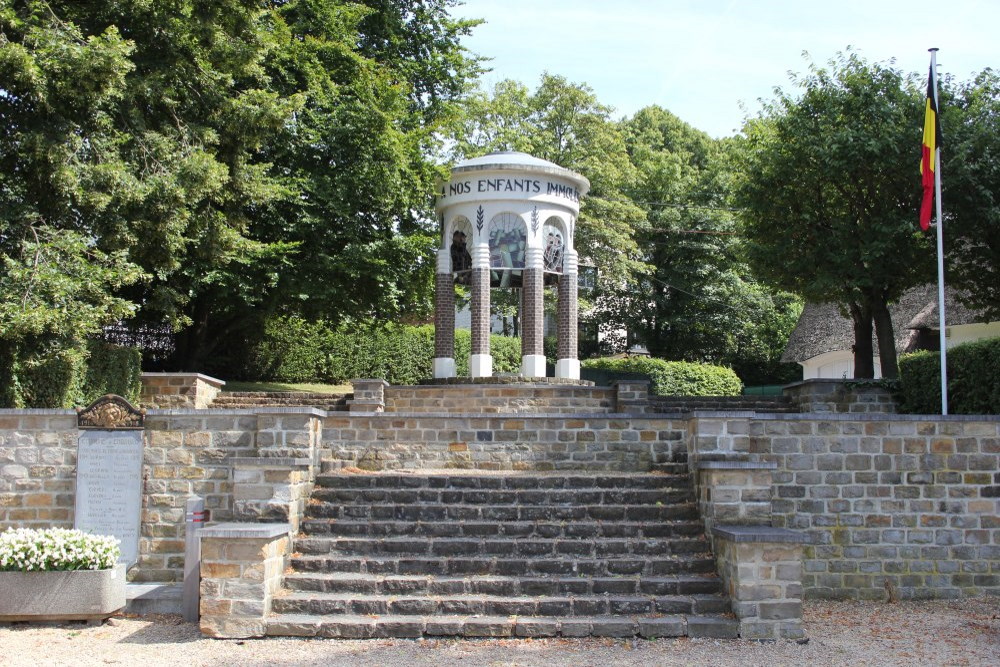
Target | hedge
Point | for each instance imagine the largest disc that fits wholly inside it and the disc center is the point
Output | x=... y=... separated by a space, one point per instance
x=675 y=378
x=973 y=380
x=60 y=376
x=295 y=350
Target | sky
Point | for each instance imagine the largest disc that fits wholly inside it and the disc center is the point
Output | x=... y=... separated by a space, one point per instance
x=710 y=61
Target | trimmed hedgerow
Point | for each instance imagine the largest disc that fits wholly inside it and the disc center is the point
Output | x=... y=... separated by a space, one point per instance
x=112 y=369
x=973 y=380
x=675 y=378
x=294 y=350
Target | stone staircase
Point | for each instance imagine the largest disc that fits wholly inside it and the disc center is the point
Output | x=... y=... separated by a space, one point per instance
x=669 y=404
x=446 y=553
x=280 y=399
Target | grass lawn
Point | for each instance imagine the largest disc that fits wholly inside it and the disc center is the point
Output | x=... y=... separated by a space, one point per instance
x=285 y=386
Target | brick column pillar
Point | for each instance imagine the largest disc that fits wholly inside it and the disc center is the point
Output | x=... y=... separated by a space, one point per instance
x=480 y=360
x=568 y=365
x=532 y=315
x=444 y=317
x=241 y=569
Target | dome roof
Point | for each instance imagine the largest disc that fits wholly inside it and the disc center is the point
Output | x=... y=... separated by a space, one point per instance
x=518 y=161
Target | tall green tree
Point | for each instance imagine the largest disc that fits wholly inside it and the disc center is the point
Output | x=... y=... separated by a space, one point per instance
x=247 y=157
x=699 y=302
x=970 y=117
x=827 y=187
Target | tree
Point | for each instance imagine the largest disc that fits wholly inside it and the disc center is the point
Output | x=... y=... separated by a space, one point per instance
x=699 y=302
x=970 y=118
x=829 y=197
x=248 y=157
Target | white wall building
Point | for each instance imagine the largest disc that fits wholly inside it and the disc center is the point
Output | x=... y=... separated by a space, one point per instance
x=822 y=340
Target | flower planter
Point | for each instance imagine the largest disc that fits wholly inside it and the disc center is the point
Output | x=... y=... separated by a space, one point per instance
x=76 y=595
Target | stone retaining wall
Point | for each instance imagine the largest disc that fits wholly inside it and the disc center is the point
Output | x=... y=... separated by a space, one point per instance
x=178 y=390
x=906 y=504
x=486 y=398
x=510 y=442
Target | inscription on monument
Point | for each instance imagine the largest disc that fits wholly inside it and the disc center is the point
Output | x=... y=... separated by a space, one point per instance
x=109 y=487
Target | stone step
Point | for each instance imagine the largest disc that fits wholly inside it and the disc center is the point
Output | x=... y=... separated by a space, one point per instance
x=413 y=626
x=678 y=511
x=309 y=602
x=537 y=547
x=691 y=570
x=510 y=529
x=528 y=497
x=426 y=585
x=505 y=482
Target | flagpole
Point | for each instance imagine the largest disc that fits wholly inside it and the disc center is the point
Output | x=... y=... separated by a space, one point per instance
x=940 y=249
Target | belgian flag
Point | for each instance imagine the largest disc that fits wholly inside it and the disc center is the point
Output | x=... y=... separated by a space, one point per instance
x=932 y=141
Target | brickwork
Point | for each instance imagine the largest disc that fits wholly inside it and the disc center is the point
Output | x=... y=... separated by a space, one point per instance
x=37 y=468
x=734 y=493
x=631 y=396
x=851 y=396
x=567 y=316
x=178 y=390
x=906 y=504
x=521 y=442
x=369 y=395
x=241 y=570
x=490 y=398
x=272 y=489
x=444 y=316
x=480 y=324
x=761 y=569
x=532 y=314
x=288 y=432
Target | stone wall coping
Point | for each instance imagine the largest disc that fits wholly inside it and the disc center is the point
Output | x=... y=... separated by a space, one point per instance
x=36 y=412
x=615 y=383
x=370 y=381
x=204 y=378
x=737 y=465
x=726 y=414
x=272 y=462
x=505 y=415
x=236 y=530
x=503 y=381
x=759 y=534
x=871 y=416
x=213 y=412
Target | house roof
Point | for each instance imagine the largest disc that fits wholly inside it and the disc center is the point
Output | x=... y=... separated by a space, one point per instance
x=954 y=310
x=821 y=327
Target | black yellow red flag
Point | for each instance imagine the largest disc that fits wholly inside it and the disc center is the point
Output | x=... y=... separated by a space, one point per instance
x=932 y=141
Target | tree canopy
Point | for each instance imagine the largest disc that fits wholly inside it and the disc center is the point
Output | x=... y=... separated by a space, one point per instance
x=220 y=161
x=970 y=116
x=827 y=187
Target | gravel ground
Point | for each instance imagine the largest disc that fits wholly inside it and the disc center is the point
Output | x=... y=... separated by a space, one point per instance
x=964 y=632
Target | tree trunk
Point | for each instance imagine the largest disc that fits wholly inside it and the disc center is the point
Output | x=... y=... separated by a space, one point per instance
x=864 y=365
x=886 y=339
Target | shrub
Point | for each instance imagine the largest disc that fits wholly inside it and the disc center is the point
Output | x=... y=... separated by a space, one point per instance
x=973 y=380
x=112 y=369
x=294 y=350
x=52 y=378
x=675 y=378
x=26 y=550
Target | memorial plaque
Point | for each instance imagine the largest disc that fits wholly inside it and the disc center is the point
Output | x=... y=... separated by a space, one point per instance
x=109 y=487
